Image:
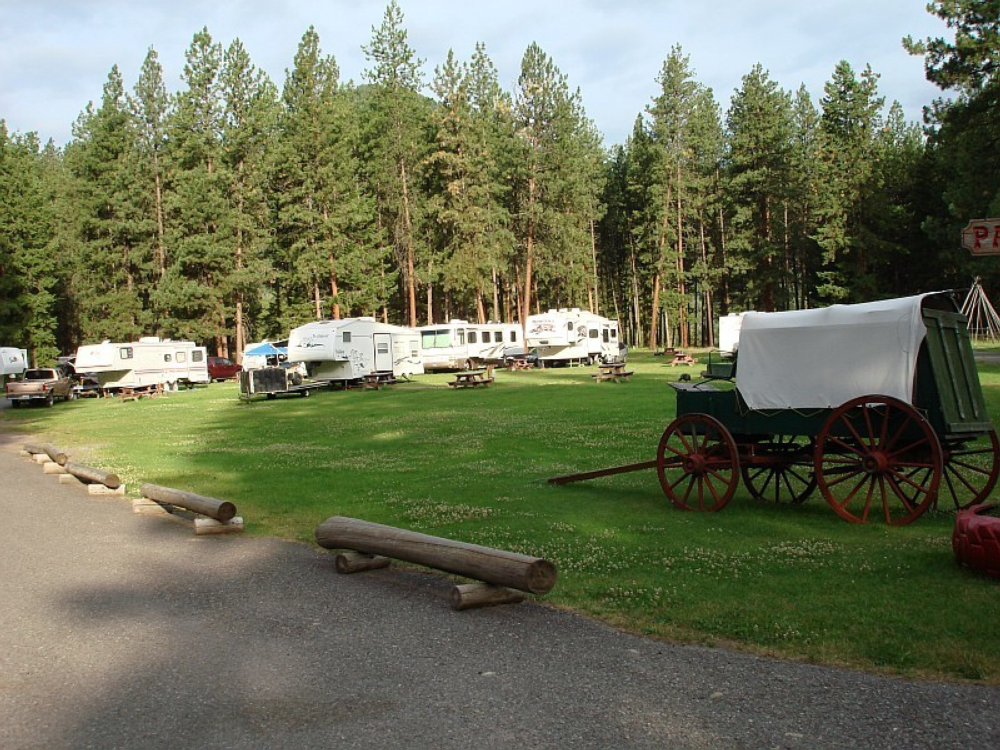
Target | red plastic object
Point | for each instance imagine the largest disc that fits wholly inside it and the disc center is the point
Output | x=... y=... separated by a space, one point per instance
x=976 y=539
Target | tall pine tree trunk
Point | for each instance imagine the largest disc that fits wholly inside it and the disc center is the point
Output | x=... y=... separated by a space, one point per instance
x=411 y=283
x=529 y=258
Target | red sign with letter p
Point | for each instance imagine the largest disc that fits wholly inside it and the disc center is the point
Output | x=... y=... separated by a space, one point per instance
x=982 y=237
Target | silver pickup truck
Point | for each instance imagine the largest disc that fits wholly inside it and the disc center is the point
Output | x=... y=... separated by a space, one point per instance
x=41 y=385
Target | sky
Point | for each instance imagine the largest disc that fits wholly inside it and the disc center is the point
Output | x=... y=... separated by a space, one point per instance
x=55 y=55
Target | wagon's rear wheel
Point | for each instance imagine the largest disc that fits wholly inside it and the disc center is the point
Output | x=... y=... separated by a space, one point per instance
x=878 y=453
x=697 y=463
x=971 y=469
x=781 y=469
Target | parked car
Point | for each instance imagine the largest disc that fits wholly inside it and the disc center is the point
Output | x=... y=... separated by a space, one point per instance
x=41 y=385
x=221 y=368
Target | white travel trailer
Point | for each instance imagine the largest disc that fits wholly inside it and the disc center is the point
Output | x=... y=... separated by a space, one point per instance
x=574 y=335
x=145 y=364
x=729 y=333
x=460 y=344
x=12 y=361
x=349 y=349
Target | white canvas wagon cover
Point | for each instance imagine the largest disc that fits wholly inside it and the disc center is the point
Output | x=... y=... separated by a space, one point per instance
x=821 y=358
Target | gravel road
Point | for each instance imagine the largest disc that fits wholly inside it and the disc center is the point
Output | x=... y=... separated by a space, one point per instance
x=125 y=631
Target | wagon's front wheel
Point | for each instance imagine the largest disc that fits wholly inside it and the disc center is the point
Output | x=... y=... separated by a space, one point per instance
x=877 y=453
x=697 y=463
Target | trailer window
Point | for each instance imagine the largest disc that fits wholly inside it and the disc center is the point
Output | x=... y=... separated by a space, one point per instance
x=594 y=333
x=474 y=338
x=197 y=355
x=347 y=337
x=382 y=347
x=125 y=352
x=513 y=335
x=607 y=336
x=435 y=339
x=182 y=356
x=167 y=358
x=487 y=338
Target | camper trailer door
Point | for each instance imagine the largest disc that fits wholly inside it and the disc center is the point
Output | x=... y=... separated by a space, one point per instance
x=383 y=352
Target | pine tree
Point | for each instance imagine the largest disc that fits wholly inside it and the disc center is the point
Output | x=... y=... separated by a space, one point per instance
x=396 y=122
x=108 y=268
x=556 y=185
x=247 y=131
x=671 y=164
x=760 y=142
x=28 y=262
x=199 y=223
x=850 y=121
x=468 y=190
x=150 y=108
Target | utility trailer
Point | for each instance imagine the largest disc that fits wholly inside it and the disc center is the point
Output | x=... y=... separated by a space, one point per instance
x=877 y=405
x=272 y=382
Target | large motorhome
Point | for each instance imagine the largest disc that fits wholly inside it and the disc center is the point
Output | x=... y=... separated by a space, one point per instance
x=462 y=345
x=574 y=335
x=150 y=362
x=349 y=349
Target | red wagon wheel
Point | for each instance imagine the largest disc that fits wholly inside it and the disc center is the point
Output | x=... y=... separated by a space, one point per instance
x=780 y=469
x=971 y=469
x=697 y=463
x=878 y=452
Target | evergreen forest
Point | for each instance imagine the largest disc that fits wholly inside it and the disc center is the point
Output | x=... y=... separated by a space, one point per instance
x=235 y=209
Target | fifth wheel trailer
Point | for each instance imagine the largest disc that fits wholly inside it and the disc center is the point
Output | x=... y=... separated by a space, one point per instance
x=348 y=349
x=149 y=362
x=565 y=336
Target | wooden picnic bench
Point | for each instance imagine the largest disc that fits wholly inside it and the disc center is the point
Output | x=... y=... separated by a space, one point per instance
x=682 y=358
x=375 y=380
x=473 y=378
x=519 y=363
x=612 y=371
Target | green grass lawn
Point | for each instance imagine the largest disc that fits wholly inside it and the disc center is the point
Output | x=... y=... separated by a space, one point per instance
x=794 y=581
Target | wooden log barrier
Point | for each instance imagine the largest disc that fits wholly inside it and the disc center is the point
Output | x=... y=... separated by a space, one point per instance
x=220 y=510
x=54 y=454
x=93 y=476
x=498 y=567
x=472 y=595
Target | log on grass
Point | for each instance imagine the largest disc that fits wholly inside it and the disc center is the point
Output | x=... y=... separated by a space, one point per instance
x=220 y=510
x=495 y=566
x=93 y=476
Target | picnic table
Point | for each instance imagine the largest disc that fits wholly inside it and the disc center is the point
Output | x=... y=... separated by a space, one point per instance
x=375 y=380
x=682 y=358
x=473 y=378
x=520 y=363
x=612 y=371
